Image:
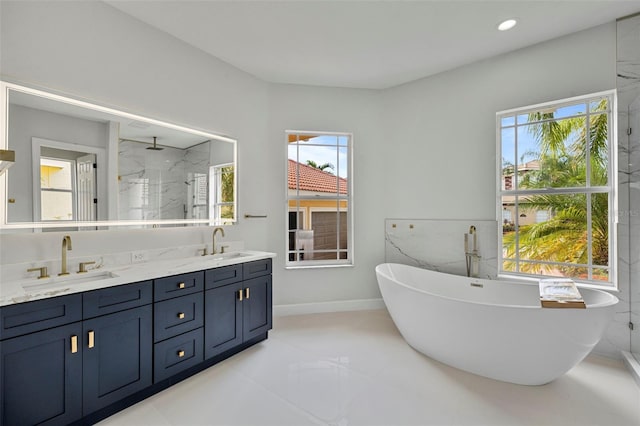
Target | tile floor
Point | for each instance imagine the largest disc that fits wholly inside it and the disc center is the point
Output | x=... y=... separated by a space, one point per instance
x=354 y=368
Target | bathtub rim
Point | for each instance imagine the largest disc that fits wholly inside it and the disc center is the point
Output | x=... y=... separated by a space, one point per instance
x=611 y=300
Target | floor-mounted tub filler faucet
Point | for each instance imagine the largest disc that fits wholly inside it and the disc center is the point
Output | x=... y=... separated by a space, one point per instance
x=471 y=252
x=66 y=246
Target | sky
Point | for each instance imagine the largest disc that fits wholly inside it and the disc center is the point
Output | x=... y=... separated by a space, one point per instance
x=527 y=144
x=322 y=150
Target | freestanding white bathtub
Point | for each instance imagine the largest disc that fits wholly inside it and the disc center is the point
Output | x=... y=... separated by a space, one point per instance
x=495 y=329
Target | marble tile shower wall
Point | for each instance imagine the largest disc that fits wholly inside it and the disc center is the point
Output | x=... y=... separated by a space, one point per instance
x=157 y=184
x=628 y=86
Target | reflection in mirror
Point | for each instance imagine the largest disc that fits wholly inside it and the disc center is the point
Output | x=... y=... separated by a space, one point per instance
x=79 y=164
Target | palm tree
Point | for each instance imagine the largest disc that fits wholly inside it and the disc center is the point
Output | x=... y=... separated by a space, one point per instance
x=322 y=167
x=562 y=158
x=227 y=178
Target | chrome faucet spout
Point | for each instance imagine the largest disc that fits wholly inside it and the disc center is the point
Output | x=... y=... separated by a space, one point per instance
x=66 y=246
x=215 y=231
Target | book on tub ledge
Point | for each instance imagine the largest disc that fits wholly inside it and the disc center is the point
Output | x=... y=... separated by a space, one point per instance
x=560 y=293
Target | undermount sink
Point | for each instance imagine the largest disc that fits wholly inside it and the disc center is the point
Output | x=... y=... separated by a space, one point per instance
x=230 y=255
x=61 y=281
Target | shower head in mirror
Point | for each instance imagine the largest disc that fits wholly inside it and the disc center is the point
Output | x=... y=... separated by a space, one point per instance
x=155 y=147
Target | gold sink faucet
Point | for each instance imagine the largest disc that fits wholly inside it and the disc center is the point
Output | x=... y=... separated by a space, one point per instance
x=215 y=231
x=66 y=246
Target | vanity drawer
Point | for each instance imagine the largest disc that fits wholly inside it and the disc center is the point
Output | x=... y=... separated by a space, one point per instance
x=222 y=276
x=176 y=316
x=114 y=299
x=177 y=354
x=24 y=318
x=256 y=269
x=178 y=285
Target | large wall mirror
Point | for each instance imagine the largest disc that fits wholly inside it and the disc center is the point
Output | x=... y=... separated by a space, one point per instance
x=83 y=166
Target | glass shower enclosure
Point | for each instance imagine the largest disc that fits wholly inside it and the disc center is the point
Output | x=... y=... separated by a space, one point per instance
x=634 y=222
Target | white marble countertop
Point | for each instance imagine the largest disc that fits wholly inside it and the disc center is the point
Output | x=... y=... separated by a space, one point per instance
x=26 y=290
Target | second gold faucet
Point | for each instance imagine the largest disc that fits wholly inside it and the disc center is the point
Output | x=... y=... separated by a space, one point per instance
x=215 y=231
x=66 y=246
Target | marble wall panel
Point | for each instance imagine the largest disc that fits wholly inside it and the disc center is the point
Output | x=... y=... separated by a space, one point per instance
x=151 y=183
x=628 y=88
x=439 y=244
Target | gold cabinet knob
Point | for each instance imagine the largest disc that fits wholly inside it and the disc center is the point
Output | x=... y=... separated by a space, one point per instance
x=181 y=315
x=180 y=354
x=181 y=285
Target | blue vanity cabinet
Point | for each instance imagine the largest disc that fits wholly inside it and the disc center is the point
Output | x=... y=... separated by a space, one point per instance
x=236 y=309
x=77 y=359
x=178 y=318
x=58 y=364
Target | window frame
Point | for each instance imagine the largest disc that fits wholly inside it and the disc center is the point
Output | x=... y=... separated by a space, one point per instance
x=323 y=263
x=611 y=189
x=215 y=193
x=72 y=190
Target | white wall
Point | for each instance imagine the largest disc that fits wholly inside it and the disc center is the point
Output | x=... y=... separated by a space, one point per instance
x=441 y=130
x=337 y=110
x=422 y=150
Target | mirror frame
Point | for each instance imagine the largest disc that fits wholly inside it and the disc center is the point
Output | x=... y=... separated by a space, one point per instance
x=5 y=87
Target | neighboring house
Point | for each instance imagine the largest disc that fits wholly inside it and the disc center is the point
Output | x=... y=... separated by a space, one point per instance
x=316 y=206
x=526 y=215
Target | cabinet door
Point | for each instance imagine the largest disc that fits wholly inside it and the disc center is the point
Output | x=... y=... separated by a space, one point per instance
x=256 y=307
x=222 y=319
x=41 y=378
x=117 y=356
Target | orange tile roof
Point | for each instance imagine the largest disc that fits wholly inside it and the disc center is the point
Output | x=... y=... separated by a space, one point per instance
x=312 y=179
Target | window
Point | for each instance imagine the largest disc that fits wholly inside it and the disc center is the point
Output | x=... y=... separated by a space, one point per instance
x=319 y=199
x=222 y=192
x=57 y=177
x=559 y=161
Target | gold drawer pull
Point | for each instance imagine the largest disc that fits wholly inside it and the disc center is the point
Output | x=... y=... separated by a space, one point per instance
x=92 y=339
x=181 y=315
x=240 y=293
x=180 y=285
x=74 y=344
x=246 y=293
x=180 y=354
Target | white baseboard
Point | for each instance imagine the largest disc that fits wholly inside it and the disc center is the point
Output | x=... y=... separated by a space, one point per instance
x=632 y=365
x=321 y=307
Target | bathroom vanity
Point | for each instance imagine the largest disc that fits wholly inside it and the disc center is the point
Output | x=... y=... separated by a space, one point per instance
x=83 y=351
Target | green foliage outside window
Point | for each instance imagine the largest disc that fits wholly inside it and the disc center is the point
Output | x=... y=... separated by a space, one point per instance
x=571 y=156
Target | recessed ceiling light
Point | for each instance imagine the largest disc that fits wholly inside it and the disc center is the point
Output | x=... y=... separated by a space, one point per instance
x=507 y=25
